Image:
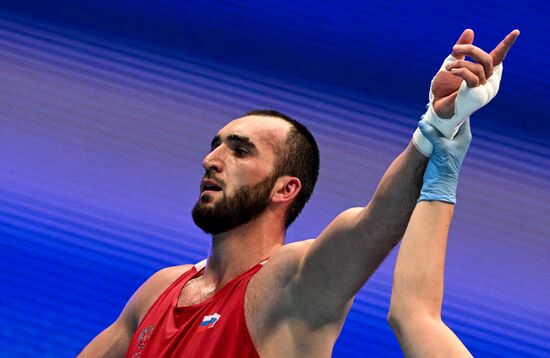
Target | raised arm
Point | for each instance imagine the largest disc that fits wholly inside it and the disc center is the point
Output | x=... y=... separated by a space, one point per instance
x=417 y=293
x=339 y=262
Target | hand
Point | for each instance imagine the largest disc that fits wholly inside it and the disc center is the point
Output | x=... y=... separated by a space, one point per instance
x=448 y=81
x=441 y=176
x=461 y=87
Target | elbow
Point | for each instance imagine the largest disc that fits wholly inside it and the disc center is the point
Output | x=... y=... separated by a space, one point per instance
x=400 y=310
x=395 y=320
x=397 y=323
x=410 y=316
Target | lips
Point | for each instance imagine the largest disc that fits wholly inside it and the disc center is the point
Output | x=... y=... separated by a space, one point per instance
x=211 y=185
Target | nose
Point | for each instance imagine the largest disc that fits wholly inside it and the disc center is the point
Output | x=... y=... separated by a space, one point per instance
x=213 y=161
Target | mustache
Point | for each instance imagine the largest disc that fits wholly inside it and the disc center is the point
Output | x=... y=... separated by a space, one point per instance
x=211 y=176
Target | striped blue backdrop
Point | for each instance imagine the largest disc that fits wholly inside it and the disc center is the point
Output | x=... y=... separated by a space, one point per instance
x=106 y=110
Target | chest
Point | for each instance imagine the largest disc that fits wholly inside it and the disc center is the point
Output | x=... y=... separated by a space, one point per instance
x=195 y=292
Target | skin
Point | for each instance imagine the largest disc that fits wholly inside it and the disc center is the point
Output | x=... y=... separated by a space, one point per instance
x=417 y=292
x=446 y=84
x=306 y=288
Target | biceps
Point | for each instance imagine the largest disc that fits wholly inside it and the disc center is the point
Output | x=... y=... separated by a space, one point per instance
x=327 y=275
x=342 y=258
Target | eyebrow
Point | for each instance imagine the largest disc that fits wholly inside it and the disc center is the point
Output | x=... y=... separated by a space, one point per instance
x=215 y=141
x=234 y=138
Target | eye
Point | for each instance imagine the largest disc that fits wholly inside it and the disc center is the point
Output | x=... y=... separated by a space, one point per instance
x=213 y=147
x=241 y=151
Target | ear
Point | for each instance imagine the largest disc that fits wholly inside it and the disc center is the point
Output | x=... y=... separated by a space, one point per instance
x=286 y=188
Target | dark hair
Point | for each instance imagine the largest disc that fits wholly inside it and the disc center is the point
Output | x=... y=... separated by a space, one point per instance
x=298 y=157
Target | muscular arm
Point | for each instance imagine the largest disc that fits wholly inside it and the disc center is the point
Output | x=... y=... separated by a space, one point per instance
x=348 y=251
x=339 y=262
x=417 y=292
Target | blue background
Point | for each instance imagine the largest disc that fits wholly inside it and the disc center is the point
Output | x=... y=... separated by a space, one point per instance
x=107 y=109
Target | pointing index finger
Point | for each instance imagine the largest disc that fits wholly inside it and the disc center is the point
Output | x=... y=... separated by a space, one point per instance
x=503 y=47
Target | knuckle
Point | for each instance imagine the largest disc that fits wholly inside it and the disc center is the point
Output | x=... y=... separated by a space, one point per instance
x=480 y=73
x=490 y=60
x=472 y=80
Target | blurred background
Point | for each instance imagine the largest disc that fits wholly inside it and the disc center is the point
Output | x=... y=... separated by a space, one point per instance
x=107 y=109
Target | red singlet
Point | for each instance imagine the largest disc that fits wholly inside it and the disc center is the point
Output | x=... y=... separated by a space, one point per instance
x=213 y=328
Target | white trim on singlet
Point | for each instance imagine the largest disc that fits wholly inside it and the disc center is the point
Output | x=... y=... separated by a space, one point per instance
x=200 y=265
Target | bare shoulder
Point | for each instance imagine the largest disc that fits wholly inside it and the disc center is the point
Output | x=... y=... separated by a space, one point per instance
x=114 y=340
x=150 y=290
x=267 y=289
x=163 y=278
x=270 y=316
x=285 y=263
x=282 y=270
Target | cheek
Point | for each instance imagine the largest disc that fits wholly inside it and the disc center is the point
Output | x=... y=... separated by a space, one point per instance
x=248 y=175
x=247 y=172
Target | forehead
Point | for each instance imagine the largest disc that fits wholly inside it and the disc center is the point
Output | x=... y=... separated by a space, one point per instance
x=261 y=130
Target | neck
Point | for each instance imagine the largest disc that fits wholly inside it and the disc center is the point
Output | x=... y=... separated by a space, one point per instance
x=235 y=251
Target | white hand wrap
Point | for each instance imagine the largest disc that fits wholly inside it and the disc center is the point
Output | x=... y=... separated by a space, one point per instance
x=467 y=102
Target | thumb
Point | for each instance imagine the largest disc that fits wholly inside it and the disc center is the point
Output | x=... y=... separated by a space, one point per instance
x=429 y=132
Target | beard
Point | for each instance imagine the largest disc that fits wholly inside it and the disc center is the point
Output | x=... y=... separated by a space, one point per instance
x=245 y=205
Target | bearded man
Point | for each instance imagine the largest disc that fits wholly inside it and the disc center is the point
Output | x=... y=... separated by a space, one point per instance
x=255 y=296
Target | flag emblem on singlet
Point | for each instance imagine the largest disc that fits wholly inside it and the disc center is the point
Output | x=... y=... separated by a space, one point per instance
x=209 y=321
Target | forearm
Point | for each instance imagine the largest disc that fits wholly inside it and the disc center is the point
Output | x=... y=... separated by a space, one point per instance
x=386 y=217
x=418 y=276
x=417 y=292
x=356 y=242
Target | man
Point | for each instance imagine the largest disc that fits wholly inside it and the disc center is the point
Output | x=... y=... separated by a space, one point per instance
x=255 y=184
